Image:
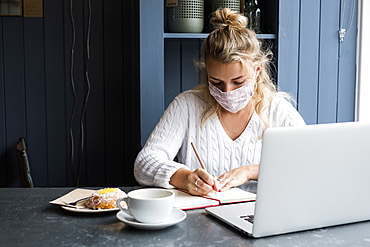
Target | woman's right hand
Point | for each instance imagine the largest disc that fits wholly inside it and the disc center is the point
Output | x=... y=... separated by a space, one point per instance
x=198 y=182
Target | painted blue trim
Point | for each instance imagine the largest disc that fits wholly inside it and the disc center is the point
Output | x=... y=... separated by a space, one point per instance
x=288 y=46
x=328 y=63
x=205 y=35
x=151 y=65
x=309 y=60
x=347 y=68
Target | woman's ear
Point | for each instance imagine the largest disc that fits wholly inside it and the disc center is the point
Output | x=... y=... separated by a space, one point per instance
x=259 y=67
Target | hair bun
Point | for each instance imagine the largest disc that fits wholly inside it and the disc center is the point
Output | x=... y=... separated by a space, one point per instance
x=226 y=17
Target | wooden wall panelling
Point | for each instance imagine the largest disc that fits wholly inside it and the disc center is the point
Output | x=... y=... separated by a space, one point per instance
x=56 y=113
x=190 y=53
x=78 y=73
x=288 y=46
x=79 y=82
x=35 y=97
x=36 y=93
x=180 y=73
x=113 y=71
x=35 y=102
x=94 y=155
x=3 y=168
x=172 y=69
x=328 y=62
x=131 y=61
x=308 y=60
x=15 y=107
x=347 y=68
x=325 y=84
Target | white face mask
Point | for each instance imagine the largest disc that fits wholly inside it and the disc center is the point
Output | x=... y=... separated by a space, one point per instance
x=236 y=99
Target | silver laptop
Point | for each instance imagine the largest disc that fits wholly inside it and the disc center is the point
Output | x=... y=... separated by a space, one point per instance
x=310 y=177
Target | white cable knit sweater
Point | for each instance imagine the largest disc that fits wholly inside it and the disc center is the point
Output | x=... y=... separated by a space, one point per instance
x=180 y=125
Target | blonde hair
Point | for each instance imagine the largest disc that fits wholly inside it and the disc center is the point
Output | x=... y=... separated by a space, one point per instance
x=232 y=42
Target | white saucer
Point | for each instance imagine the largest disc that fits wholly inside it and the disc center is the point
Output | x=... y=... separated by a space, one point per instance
x=177 y=215
x=88 y=210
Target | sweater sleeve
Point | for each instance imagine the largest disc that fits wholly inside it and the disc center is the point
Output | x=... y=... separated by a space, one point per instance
x=155 y=163
x=283 y=114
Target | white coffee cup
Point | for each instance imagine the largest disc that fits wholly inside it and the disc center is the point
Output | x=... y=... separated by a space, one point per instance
x=149 y=205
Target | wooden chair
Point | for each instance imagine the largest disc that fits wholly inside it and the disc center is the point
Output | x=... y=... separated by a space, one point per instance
x=23 y=165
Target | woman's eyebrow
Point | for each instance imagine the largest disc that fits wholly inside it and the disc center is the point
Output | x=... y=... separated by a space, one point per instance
x=239 y=77
x=213 y=78
x=236 y=78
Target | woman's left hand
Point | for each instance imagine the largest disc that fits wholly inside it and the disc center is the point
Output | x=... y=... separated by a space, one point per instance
x=237 y=176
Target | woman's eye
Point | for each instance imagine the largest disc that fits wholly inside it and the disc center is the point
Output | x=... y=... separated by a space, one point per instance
x=215 y=83
x=239 y=82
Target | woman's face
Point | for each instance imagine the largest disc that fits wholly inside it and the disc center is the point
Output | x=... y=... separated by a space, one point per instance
x=227 y=76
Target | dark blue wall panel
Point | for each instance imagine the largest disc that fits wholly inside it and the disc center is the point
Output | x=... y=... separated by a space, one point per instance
x=190 y=53
x=35 y=95
x=55 y=86
x=95 y=137
x=3 y=167
x=37 y=98
x=180 y=72
x=114 y=90
x=172 y=65
x=15 y=94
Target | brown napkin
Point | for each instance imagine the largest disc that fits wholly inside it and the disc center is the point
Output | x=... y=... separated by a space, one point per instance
x=73 y=196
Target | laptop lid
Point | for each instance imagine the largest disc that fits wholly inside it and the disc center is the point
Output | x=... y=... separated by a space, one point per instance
x=311 y=177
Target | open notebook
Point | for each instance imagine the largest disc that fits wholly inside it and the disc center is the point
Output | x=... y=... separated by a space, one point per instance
x=185 y=201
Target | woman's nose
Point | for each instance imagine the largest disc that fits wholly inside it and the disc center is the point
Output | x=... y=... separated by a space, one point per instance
x=227 y=88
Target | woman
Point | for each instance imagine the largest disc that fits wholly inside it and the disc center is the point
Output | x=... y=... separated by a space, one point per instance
x=224 y=117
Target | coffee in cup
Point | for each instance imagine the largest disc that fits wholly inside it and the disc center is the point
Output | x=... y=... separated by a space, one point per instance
x=149 y=205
